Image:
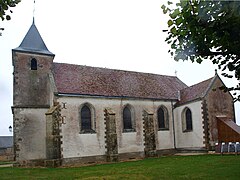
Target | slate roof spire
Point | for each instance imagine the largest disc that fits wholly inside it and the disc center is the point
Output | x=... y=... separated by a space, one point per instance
x=33 y=42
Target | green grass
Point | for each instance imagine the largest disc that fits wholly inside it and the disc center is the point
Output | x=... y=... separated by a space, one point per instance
x=171 y=167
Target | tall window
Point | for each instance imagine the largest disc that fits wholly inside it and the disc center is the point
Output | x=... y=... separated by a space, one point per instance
x=33 y=64
x=187 y=120
x=86 y=121
x=128 y=123
x=162 y=115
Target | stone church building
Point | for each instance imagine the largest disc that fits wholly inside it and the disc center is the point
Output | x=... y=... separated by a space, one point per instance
x=66 y=113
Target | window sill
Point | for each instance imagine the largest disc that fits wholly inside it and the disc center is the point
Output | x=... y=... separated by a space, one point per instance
x=87 y=131
x=186 y=131
x=129 y=130
x=163 y=129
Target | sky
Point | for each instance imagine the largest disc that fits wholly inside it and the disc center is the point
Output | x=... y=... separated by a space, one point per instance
x=116 y=34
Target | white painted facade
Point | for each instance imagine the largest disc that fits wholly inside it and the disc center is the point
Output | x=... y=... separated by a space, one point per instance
x=194 y=138
x=76 y=144
x=31 y=129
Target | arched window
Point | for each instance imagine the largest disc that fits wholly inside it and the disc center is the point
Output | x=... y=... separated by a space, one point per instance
x=162 y=115
x=33 y=64
x=128 y=122
x=86 y=120
x=187 y=120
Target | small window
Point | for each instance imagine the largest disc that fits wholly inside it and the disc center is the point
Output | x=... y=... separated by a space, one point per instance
x=86 y=121
x=128 y=121
x=163 y=123
x=33 y=64
x=187 y=120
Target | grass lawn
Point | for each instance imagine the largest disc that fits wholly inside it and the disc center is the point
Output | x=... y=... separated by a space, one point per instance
x=170 y=167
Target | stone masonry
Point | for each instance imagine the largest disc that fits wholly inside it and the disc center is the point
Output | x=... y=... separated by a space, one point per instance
x=149 y=134
x=111 y=136
x=53 y=137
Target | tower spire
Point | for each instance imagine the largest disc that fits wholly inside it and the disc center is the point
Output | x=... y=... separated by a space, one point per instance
x=33 y=11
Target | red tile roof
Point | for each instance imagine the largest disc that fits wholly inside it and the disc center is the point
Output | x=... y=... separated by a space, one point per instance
x=194 y=92
x=85 y=80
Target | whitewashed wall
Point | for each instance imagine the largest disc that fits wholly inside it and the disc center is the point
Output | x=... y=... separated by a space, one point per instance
x=165 y=139
x=30 y=133
x=194 y=138
x=80 y=145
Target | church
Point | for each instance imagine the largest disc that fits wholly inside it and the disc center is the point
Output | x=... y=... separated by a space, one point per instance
x=66 y=113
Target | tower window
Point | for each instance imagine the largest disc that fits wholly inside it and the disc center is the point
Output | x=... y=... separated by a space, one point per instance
x=33 y=64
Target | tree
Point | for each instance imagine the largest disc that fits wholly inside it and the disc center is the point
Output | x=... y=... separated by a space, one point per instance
x=5 y=6
x=206 y=29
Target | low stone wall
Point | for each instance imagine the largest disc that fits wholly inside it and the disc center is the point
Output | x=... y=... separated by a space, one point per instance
x=52 y=163
x=101 y=159
x=6 y=154
x=132 y=155
x=121 y=157
x=83 y=160
x=166 y=152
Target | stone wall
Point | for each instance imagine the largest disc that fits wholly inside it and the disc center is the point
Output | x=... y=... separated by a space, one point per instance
x=149 y=134
x=53 y=130
x=31 y=87
x=111 y=136
x=6 y=154
x=205 y=117
x=31 y=100
x=29 y=133
x=218 y=103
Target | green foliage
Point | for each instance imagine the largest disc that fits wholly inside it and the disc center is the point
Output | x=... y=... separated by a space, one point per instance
x=5 y=6
x=206 y=29
x=172 y=167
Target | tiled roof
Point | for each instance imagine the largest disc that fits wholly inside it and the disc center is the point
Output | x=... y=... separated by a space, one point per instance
x=85 y=80
x=194 y=92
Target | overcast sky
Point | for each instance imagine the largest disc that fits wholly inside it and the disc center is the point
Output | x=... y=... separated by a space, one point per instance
x=118 y=34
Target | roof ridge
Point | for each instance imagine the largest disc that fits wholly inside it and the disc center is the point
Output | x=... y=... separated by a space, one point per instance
x=195 y=91
x=131 y=71
x=198 y=83
x=209 y=85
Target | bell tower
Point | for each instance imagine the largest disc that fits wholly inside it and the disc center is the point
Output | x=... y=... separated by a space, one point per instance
x=32 y=64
